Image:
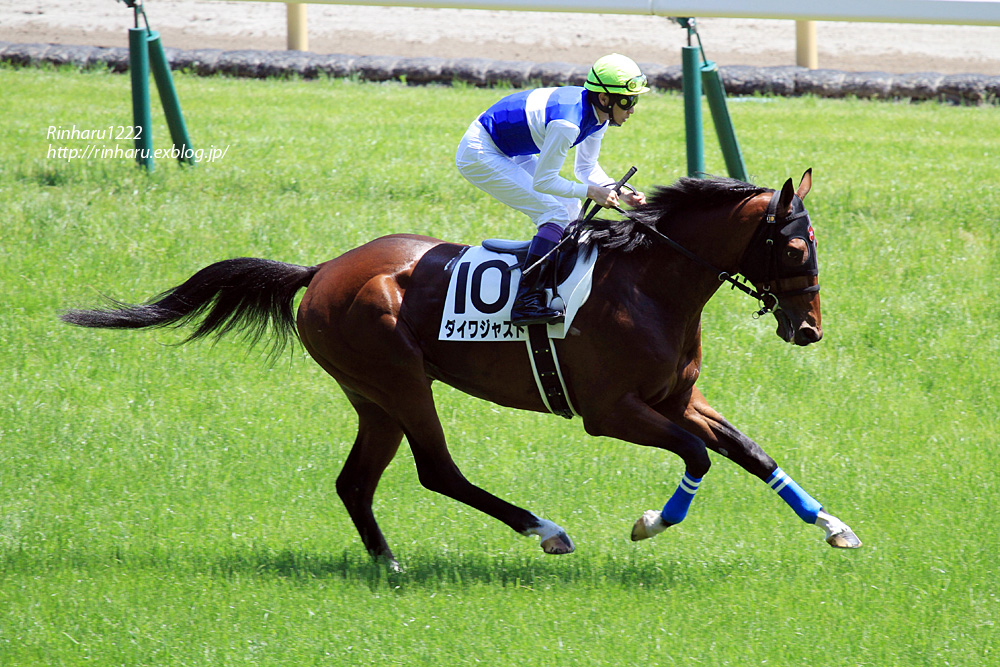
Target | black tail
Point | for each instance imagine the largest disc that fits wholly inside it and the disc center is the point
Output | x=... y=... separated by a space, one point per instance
x=246 y=294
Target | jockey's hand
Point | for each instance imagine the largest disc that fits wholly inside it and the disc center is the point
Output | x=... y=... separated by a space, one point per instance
x=633 y=199
x=602 y=196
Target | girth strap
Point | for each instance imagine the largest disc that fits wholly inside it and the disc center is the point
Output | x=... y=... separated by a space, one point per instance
x=548 y=377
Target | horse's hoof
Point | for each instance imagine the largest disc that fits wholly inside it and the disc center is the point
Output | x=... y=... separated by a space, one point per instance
x=838 y=533
x=390 y=564
x=650 y=524
x=845 y=539
x=558 y=544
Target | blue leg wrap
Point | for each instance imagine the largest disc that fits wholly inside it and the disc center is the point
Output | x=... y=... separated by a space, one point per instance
x=677 y=507
x=804 y=505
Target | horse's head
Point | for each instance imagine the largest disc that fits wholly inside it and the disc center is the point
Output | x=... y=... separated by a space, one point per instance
x=781 y=262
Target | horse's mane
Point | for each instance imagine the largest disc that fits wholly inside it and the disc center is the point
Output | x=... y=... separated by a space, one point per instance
x=629 y=233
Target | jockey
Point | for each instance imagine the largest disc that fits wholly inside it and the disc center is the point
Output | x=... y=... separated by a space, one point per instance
x=516 y=148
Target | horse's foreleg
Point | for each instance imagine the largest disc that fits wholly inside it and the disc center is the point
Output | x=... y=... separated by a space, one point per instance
x=654 y=522
x=722 y=437
x=634 y=421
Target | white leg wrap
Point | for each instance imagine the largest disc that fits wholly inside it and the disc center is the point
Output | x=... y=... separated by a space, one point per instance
x=838 y=533
x=545 y=529
x=831 y=524
x=650 y=524
x=554 y=539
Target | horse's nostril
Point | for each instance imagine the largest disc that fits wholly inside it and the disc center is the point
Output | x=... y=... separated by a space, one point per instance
x=807 y=335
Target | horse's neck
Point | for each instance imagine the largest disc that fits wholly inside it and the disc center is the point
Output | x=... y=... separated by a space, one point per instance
x=719 y=238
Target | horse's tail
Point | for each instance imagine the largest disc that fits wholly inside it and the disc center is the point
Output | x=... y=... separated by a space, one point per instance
x=246 y=294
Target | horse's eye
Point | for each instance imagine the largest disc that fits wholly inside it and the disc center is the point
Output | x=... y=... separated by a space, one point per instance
x=796 y=252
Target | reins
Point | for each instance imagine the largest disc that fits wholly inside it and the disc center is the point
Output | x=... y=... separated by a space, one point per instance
x=583 y=219
x=766 y=297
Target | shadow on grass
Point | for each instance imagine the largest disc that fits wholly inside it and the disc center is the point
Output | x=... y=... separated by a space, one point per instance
x=432 y=570
x=422 y=569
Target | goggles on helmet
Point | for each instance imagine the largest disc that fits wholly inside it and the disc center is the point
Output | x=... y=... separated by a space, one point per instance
x=636 y=83
x=632 y=86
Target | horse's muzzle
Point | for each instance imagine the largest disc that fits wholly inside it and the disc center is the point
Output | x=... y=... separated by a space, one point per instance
x=801 y=334
x=806 y=335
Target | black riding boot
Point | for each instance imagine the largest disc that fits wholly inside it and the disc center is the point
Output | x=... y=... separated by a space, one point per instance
x=530 y=305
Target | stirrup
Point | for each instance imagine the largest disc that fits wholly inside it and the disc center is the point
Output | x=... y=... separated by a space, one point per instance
x=527 y=321
x=533 y=310
x=540 y=318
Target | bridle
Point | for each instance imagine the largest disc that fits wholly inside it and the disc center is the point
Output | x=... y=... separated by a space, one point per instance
x=760 y=263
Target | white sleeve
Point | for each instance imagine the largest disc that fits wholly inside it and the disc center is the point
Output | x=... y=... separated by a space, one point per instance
x=559 y=138
x=586 y=167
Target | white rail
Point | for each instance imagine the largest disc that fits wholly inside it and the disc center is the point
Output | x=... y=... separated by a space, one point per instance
x=804 y=12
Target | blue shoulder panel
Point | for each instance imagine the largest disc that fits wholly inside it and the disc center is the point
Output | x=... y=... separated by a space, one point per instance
x=507 y=124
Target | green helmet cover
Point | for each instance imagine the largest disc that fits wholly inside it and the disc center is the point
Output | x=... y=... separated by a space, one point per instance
x=616 y=74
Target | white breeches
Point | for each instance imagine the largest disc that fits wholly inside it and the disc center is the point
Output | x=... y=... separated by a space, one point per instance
x=510 y=180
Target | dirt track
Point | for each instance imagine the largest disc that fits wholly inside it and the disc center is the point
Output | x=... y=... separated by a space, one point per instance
x=530 y=36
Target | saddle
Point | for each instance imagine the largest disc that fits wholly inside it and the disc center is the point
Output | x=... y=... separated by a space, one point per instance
x=483 y=283
x=565 y=259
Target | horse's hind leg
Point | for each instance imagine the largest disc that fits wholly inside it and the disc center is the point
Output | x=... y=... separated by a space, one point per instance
x=376 y=444
x=438 y=472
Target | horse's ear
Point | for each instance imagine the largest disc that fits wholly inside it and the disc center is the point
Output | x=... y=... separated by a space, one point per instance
x=806 y=184
x=785 y=198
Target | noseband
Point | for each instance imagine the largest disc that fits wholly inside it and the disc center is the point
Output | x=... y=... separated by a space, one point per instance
x=760 y=263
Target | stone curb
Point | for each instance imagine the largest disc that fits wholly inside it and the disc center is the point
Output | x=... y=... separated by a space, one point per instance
x=738 y=79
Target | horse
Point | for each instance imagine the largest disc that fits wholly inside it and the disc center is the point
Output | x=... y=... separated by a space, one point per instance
x=370 y=318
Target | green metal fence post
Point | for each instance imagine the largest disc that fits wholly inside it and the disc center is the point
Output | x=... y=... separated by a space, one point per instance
x=142 y=122
x=716 y=94
x=169 y=99
x=692 y=111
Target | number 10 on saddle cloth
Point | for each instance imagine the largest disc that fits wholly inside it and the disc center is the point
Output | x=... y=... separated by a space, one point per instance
x=481 y=292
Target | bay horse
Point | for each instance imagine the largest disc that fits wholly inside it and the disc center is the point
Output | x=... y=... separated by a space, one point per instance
x=370 y=318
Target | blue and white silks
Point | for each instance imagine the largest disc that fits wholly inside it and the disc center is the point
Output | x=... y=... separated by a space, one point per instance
x=516 y=149
x=517 y=122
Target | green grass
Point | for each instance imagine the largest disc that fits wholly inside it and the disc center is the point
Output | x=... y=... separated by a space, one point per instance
x=165 y=505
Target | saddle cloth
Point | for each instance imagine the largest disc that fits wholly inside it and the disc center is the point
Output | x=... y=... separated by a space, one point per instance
x=482 y=288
